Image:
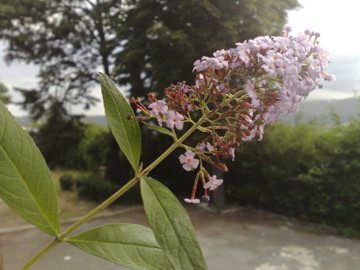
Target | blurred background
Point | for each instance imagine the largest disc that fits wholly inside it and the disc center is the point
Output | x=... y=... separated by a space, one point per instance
x=307 y=166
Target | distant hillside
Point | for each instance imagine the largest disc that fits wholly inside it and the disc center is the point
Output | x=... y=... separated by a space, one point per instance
x=96 y=119
x=322 y=109
x=309 y=110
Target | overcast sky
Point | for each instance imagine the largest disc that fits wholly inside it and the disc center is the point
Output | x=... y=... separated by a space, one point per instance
x=337 y=22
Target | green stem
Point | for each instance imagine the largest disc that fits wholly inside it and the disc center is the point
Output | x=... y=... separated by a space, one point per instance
x=175 y=145
x=231 y=98
x=115 y=196
x=41 y=253
x=99 y=208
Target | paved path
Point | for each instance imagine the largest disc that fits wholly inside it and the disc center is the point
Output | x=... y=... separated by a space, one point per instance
x=244 y=240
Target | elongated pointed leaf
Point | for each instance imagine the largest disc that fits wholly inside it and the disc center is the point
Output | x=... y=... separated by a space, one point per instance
x=125 y=131
x=129 y=245
x=25 y=180
x=171 y=226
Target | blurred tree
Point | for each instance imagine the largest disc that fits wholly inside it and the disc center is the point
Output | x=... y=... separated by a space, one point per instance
x=4 y=98
x=60 y=137
x=164 y=38
x=69 y=40
x=143 y=44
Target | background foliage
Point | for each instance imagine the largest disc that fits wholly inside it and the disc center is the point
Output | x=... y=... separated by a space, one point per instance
x=143 y=45
x=308 y=171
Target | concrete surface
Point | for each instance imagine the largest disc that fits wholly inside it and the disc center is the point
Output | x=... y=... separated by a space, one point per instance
x=241 y=239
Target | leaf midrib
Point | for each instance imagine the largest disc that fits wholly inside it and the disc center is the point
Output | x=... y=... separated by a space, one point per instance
x=121 y=121
x=23 y=180
x=172 y=226
x=112 y=242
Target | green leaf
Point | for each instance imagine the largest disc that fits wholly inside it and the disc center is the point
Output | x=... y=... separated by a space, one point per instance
x=171 y=225
x=125 y=131
x=159 y=129
x=129 y=245
x=25 y=180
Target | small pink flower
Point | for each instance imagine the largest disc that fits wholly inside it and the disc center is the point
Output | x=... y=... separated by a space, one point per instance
x=232 y=153
x=222 y=88
x=209 y=147
x=194 y=201
x=250 y=90
x=158 y=107
x=175 y=119
x=201 y=147
x=188 y=161
x=328 y=77
x=213 y=183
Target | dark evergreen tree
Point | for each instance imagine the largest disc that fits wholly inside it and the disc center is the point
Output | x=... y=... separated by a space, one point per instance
x=144 y=45
x=164 y=38
x=69 y=39
x=59 y=138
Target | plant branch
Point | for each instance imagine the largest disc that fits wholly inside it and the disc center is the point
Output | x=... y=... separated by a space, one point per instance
x=41 y=253
x=178 y=142
x=62 y=237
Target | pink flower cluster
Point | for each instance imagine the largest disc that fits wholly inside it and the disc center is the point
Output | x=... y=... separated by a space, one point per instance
x=240 y=91
x=289 y=66
x=160 y=110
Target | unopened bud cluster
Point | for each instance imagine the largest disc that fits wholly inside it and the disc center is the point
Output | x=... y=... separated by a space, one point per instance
x=237 y=92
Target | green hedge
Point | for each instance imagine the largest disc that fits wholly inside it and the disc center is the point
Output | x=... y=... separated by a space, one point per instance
x=307 y=171
x=95 y=188
x=67 y=182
